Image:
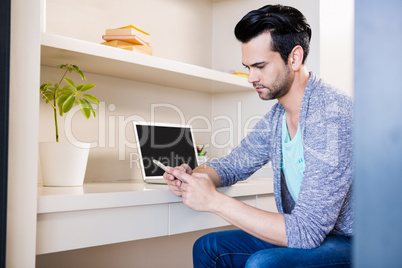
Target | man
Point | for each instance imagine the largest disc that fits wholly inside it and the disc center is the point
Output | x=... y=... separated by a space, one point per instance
x=307 y=136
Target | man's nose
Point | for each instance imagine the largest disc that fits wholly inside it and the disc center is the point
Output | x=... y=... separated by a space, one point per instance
x=253 y=77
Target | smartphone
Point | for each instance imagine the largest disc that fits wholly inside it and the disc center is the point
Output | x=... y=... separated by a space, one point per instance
x=162 y=166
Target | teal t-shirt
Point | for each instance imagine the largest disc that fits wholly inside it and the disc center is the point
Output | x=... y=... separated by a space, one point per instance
x=292 y=159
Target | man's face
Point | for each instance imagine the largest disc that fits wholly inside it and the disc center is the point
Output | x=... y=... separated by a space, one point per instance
x=269 y=74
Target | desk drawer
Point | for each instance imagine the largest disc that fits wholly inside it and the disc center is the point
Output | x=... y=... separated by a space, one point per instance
x=183 y=219
x=87 y=228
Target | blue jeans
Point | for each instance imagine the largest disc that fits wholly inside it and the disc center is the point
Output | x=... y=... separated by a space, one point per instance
x=237 y=248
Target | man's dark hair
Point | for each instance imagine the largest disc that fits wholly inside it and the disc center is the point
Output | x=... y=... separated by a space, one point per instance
x=287 y=25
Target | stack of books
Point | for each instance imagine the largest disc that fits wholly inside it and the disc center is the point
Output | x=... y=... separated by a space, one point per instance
x=129 y=38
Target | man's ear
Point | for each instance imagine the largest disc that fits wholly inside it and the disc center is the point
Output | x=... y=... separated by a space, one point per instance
x=296 y=58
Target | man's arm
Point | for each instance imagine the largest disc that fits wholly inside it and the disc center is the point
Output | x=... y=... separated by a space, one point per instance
x=200 y=193
x=267 y=226
x=210 y=171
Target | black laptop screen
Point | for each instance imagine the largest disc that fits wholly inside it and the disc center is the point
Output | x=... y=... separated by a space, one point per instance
x=171 y=145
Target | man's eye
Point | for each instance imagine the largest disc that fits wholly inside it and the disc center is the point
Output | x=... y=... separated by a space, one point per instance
x=260 y=66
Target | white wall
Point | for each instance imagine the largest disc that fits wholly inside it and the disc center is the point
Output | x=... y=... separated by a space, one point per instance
x=337 y=43
x=180 y=29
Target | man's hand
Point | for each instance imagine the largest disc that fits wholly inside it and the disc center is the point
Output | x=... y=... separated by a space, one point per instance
x=172 y=182
x=199 y=192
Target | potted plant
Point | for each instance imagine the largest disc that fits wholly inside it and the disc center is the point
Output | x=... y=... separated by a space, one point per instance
x=64 y=163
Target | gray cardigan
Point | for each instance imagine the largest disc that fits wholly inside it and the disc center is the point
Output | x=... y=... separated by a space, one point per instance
x=325 y=201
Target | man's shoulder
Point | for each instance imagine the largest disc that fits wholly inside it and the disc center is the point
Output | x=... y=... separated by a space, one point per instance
x=323 y=94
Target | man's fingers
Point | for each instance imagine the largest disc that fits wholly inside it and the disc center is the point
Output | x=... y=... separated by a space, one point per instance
x=168 y=175
x=179 y=174
x=186 y=168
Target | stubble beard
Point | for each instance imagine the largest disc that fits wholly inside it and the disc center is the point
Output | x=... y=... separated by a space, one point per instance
x=280 y=87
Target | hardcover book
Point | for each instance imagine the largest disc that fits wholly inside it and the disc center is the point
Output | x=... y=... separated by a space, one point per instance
x=128 y=38
x=129 y=46
x=130 y=30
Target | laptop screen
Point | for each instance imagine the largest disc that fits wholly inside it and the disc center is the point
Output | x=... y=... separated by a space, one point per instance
x=172 y=145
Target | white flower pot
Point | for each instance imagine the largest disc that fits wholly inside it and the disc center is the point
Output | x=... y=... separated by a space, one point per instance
x=63 y=163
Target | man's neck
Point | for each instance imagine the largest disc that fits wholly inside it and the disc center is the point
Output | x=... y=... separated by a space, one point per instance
x=292 y=101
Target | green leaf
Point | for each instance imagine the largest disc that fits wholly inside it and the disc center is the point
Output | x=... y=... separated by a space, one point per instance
x=79 y=72
x=76 y=68
x=62 y=100
x=51 y=89
x=87 y=87
x=91 y=98
x=86 y=111
x=64 y=97
x=44 y=86
x=71 y=82
x=82 y=75
x=48 y=96
x=90 y=107
x=65 y=89
x=68 y=104
x=69 y=94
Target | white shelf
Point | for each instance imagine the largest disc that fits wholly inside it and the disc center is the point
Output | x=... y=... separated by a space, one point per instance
x=104 y=60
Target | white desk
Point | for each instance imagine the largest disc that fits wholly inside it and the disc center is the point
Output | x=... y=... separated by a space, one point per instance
x=105 y=213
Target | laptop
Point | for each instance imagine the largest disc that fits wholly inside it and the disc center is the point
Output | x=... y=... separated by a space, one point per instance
x=170 y=144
